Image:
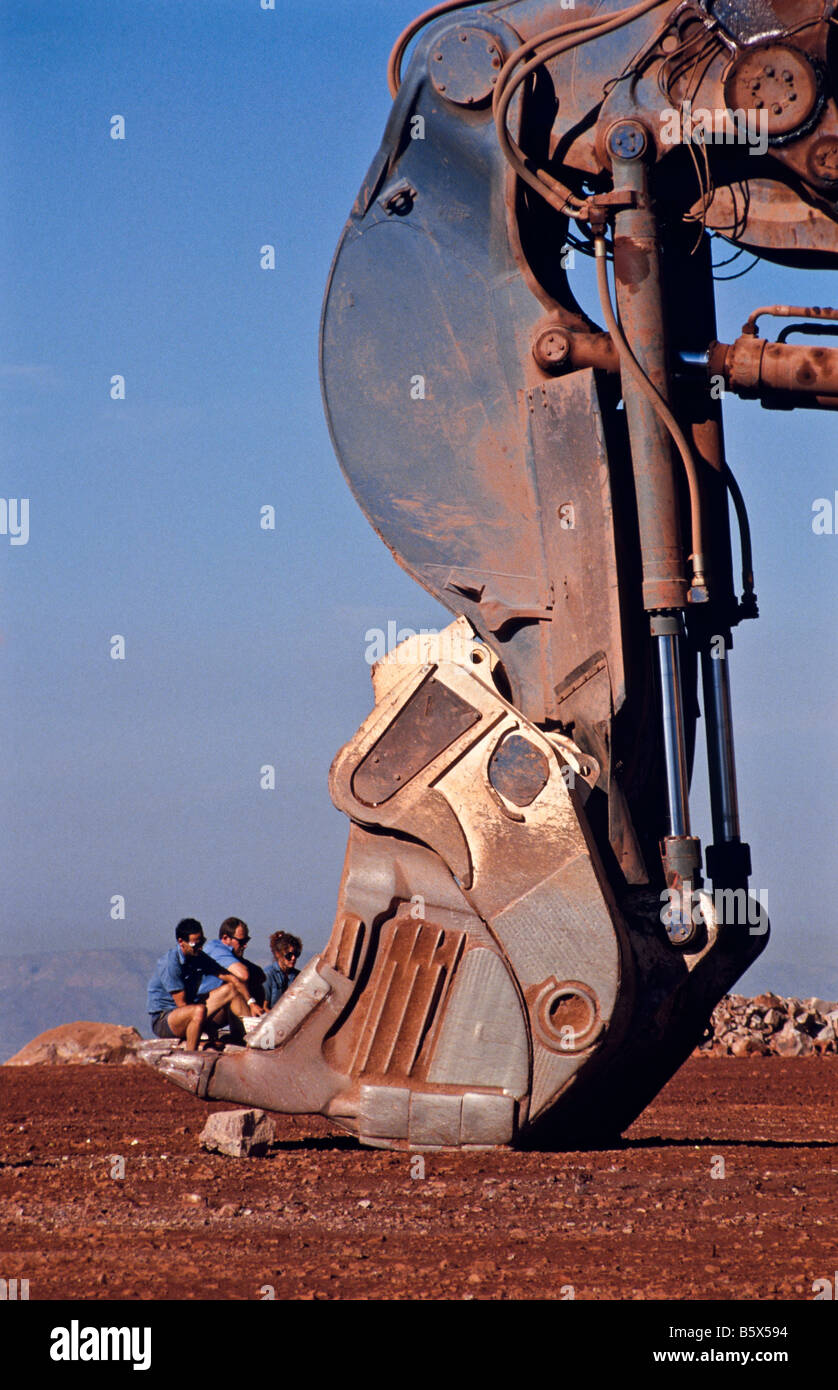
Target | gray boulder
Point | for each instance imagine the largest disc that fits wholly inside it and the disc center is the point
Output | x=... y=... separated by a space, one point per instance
x=238 y=1133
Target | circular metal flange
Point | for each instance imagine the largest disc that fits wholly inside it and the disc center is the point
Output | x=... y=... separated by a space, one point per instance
x=822 y=159
x=627 y=140
x=566 y=1015
x=779 y=81
x=464 y=64
x=551 y=348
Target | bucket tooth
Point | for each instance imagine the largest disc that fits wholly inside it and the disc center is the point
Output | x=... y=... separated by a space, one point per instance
x=282 y=1068
x=190 y=1070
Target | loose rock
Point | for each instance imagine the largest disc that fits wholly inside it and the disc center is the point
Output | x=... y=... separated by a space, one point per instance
x=238 y=1133
x=769 y=1025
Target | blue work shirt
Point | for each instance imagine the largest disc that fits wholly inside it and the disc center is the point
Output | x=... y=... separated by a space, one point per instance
x=277 y=981
x=175 y=972
x=220 y=955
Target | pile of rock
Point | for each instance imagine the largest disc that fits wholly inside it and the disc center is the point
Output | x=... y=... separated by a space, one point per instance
x=772 y=1026
x=79 y=1044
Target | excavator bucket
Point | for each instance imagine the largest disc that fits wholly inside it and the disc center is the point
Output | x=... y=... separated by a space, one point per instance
x=526 y=947
x=481 y=985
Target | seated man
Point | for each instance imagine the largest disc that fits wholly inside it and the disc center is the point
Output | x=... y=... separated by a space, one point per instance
x=234 y=933
x=228 y=953
x=285 y=949
x=176 y=1007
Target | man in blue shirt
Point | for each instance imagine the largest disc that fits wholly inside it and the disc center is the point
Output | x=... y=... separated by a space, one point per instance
x=285 y=949
x=176 y=1003
x=228 y=951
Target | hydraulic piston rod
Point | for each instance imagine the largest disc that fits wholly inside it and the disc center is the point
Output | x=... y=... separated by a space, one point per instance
x=722 y=766
x=728 y=858
x=672 y=709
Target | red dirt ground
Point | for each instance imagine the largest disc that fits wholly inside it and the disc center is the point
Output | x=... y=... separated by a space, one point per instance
x=321 y=1218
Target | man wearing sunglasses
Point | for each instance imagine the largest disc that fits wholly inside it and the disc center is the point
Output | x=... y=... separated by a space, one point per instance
x=231 y=967
x=285 y=950
x=179 y=1005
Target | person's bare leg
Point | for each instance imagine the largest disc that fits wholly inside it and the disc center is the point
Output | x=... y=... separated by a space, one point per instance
x=218 y=1002
x=239 y=1007
x=226 y=1004
x=187 y=1022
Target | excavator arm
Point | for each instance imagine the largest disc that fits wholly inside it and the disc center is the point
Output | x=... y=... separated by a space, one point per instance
x=529 y=940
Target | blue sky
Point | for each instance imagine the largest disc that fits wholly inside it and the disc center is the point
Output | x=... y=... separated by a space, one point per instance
x=244 y=647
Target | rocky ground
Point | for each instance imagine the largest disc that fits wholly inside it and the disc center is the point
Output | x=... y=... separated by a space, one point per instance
x=723 y=1189
x=771 y=1026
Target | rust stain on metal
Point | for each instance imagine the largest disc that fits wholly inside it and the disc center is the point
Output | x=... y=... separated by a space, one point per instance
x=632 y=260
x=432 y=719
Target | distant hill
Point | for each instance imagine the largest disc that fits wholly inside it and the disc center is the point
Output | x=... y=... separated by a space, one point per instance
x=38 y=992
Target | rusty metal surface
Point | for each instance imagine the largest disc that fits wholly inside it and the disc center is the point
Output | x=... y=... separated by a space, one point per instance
x=638 y=278
x=681 y=62
x=404 y=999
x=787 y=311
x=430 y=720
x=801 y=374
x=566 y=439
x=518 y=770
x=565 y=1014
x=779 y=80
x=464 y=64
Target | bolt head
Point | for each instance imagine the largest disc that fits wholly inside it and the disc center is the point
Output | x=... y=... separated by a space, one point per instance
x=679 y=927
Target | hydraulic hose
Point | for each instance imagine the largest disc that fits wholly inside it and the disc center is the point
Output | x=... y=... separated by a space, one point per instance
x=744 y=533
x=546 y=46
